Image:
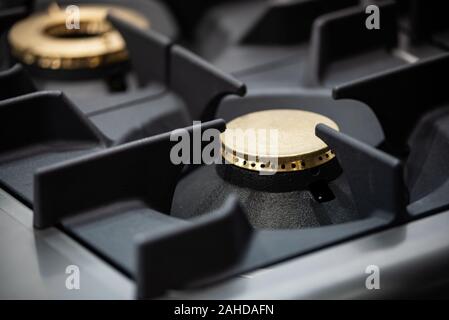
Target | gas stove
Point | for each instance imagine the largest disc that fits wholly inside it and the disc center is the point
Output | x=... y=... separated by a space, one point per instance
x=224 y=149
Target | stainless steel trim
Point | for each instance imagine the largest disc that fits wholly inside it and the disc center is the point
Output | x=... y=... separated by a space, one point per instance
x=412 y=259
x=33 y=263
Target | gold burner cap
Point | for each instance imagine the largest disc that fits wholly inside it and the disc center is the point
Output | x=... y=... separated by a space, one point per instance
x=293 y=146
x=43 y=40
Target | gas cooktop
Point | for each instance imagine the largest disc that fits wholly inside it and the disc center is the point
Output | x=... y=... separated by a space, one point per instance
x=224 y=149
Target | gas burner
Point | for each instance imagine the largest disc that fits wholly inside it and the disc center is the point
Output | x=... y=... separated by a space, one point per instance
x=295 y=146
x=43 y=39
x=283 y=174
x=280 y=180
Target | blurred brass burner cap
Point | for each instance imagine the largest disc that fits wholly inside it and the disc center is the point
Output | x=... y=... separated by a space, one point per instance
x=44 y=39
x=276 y=140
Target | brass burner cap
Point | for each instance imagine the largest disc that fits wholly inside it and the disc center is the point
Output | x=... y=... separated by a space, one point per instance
x=43 y=39
x=280 y=140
